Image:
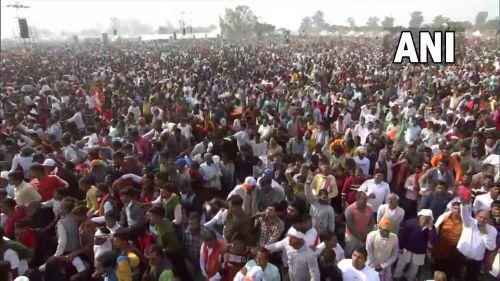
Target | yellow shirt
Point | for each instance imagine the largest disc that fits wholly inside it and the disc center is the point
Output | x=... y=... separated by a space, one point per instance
x=325 y=182
x=92 y=200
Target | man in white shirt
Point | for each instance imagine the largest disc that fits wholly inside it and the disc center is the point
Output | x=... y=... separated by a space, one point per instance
x=302 y=264
x=356 y=268
x=361 y=161
x=378 y=190
x=265 y=130
x=477 y=236
x=77 y=119
x=210 y=171
x=483 y=202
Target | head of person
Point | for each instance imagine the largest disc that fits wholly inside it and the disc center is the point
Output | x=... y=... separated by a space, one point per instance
x=325 y=167
x=7 y=206
x=79 y=213
x=361 y=198
x=443 y=165
x=111 y=218
x=393 y=199
x=495 y=210
x=208 y=158
x=384 y=227
x=154 y=254
x=323 y=197
x=194 y=221
x=161 y=178
x=359 y=256
x=271 y=210
x=358 y=173
x=361 y=152
x=238 y=243
x=16 y=178
x=86 y=182
x=209 y=238
x=440 y=276
x=295 y=238
x=67 y=206
x=455 y=209
x=120 y=239
x=101 y=235
x=379 y=176
x=128 y=194
x=102 y=189
x=466 y=180
x=265 y=183
x=330 y=239
x=262 y=257
x=36 y=171
x=156 y=215
x=425 y=217
x=49 y=165
x=441 y=187
x=483 y=218
x=167 y=190
x=297 y=208
x=235 y=204
x=494 y=191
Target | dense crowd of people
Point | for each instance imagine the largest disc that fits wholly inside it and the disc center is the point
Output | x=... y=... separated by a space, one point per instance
x=205 y=160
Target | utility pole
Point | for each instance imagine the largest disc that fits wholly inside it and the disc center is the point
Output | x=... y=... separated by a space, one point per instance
x=18 y=5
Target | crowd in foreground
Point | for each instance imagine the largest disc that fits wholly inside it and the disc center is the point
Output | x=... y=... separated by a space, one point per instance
x=314 y=160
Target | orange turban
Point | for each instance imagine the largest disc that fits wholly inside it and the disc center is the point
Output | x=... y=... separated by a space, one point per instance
x=385 y=224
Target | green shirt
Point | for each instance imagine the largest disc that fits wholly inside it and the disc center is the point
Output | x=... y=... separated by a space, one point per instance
x=167 y=238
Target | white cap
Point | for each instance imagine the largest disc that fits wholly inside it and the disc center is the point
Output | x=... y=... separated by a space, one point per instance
x=4 y=175
x=49 y=163
x=295 y=233
x=250 y=181
x=426 y=213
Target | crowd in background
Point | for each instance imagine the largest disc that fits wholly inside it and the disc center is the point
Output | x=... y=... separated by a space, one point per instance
x=204 y=160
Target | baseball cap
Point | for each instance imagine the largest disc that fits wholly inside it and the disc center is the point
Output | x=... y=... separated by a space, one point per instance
x=4 y=175
x=249 y=182
x=49 y=163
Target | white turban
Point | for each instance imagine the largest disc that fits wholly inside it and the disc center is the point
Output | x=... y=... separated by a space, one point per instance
x=426 y=213
x=295 y=233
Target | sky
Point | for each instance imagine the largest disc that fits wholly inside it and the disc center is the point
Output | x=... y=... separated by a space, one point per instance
x=75 y=15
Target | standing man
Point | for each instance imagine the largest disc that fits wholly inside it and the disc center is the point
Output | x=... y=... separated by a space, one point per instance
x=382 y=248
x=392 y=212
x=302 y=264
x=477 y=236
x=413 y=241
x=449 y=228
x=359 y=222
x=377 y=190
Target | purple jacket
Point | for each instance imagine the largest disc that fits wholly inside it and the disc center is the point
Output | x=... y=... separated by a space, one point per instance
x=414 y=239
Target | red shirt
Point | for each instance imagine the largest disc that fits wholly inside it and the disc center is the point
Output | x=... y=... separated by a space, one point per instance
x=8 y=227
x=48 y=185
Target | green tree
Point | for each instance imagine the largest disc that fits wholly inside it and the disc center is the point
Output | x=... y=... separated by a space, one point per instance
x=372 y=23
x=388 y=22
x=351 y=22
x=306 y=26
x=262 y=29
x=439 y=21
x=416 y=19
x=319 y=21
x=238 y=23
x=481 y=19
x=492 y=24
